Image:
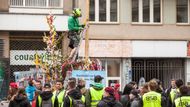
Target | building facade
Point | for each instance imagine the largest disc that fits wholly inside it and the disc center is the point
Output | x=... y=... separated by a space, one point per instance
x=22 y=25
x=140 y=38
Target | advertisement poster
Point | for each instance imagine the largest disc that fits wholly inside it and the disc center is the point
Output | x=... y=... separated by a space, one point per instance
x=22 y=77
x=88 y=76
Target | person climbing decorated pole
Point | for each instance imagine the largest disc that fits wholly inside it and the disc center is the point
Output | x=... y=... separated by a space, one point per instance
x=74 y=30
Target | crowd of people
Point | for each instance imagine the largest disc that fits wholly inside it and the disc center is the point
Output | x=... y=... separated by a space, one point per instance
x=75 y=94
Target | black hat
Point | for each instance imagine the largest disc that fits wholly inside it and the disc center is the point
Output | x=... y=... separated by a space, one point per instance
x=47 y=85
x=98 y=78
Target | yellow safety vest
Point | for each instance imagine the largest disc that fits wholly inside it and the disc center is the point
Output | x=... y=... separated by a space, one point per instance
x=173 y=93
x=152 y=99
x=96 y=96
x=182 y=101
x=60 y=97
x=71 y=101
x=83 y=99
x=40 y=101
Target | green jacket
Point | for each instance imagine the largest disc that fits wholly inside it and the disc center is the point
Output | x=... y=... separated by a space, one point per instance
x=73 y=24
x=88 y=98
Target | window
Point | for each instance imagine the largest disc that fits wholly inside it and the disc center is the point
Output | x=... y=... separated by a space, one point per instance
x=182 y=11
x=36 y=3
x=113 y=70
x=1 y=48
x=146 y=11
x=104 y=10
x=36 y=6
x=92 y=10
x=135 y=11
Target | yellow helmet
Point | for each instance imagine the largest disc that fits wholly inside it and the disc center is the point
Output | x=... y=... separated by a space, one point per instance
x=77 y=12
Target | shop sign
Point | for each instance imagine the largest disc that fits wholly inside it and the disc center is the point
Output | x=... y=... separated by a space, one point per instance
x=26 y=57
x=88 y=76
x=188 y=49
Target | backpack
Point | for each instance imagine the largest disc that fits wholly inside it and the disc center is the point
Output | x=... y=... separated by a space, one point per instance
x=16 y=104
x=47 y=103
x=76 y=102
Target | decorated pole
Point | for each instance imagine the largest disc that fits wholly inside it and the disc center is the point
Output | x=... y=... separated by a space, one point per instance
x=52 y=66
x=87 y=34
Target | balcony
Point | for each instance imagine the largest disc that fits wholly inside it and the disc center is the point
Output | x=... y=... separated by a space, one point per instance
x=30 y=22
x=36 y=6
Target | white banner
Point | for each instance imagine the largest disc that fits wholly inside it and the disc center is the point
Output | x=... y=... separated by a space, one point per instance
x=26 y=57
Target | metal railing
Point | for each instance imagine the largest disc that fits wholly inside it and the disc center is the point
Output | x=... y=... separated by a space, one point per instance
x=37 y=3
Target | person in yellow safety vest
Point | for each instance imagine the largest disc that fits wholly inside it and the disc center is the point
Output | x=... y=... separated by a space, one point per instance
x=152 y=98
x=175 y=93
x=73 y=96
x=169 y=90
x=59 y=93
x=95 y=93
x=184 y=99
x=45 y=99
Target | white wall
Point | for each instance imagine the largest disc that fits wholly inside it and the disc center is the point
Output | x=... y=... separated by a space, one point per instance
x=30 y=22
x=159 y=48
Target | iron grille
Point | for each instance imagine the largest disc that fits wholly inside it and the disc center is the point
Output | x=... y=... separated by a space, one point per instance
x=24 y=44
x=163 y=69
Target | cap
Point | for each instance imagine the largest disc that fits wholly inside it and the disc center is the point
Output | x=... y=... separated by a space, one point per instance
x=13 y=85
x=47 y=85
x=109 y=90
x=98 y=78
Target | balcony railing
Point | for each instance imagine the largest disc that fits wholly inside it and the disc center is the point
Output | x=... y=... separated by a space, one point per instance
x=37 y=3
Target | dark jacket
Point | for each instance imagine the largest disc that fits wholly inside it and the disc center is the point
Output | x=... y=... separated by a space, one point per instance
x=135 y=102
x=125 y=100
x=169 y=100
x=19 y=101
x=96 y=86
x=109 y=102
x=46 y=95
x=74 y=94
